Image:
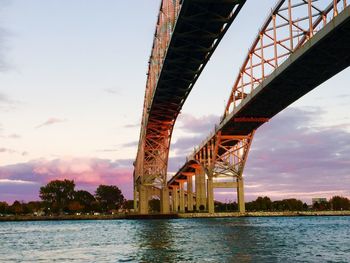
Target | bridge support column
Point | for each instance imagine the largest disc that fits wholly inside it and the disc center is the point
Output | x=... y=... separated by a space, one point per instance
x=201 y=199
x=175 y=199
x=164 y=200
x=210 y=191
x=136 y=197
x=240 y=195
x=182 y=197
x=189 y=194
x=143 y=199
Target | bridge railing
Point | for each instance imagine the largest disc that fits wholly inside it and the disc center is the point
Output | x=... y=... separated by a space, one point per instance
x=289 y=26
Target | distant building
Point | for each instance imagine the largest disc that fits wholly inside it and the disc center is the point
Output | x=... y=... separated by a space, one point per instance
x=318 y=200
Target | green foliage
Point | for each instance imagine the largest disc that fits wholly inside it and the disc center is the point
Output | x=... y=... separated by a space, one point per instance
x=129 y=204
x=4 y=208
x=225 y=207
x=321 y=206
x=75 y=206
x=85 y=199
x=34 y=206
x=109 y=197
x=57 y=194
x=154 y=205
x=260 y=204
x=265 y=204
x=340 y=203
x=16 y=208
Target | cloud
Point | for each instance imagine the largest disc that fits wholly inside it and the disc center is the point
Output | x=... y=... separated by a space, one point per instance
x=3 y=63
x=12 y=151
x=50 y=121
x=201 y=125
x=14 y=136
x=185 y=145
x=130 y=144
x=112 y=91
x=87 y=173
x=6 y=103
x=4 y=34
x=292 y=156
x=132 y=125
x=7 y=150
x=15 y=182
x=107 y=150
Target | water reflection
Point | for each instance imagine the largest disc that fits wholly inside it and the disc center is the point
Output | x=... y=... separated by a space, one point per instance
x=155 y=241
x=302 y=239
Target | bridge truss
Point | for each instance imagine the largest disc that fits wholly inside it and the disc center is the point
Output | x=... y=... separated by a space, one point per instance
x=301 y=44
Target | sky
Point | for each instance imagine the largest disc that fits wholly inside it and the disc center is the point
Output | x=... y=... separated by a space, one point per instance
x=72 y=82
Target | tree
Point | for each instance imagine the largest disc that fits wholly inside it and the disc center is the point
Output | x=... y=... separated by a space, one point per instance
x=321 y=206
x=129 y=204
x=260 y=204
x=16 y=208
x=263 y=203
x=340 y=203
x=293 y=204
x=109 y=196
x=154 y=205
x=4 y=208
x=75 y=206
x=33 y=206
x=57 y=194
x=85 y=199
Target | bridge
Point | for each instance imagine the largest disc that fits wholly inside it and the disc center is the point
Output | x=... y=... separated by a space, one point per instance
x=301 y=44
x=187 y=33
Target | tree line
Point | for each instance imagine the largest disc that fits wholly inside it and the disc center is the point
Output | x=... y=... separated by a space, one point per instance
x=292 y=204
x=60 y=196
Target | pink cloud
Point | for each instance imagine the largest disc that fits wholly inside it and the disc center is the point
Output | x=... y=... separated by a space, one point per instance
x=87 y=173
x=50 y=121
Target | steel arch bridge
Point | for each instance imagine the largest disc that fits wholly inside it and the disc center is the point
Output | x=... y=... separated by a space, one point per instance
x=187 y=33
x=301 y=44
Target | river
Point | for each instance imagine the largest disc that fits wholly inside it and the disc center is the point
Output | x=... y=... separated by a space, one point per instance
x=255 y=239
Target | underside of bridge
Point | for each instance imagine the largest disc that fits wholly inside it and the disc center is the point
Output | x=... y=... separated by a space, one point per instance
x=280 y=68
x=187 y=33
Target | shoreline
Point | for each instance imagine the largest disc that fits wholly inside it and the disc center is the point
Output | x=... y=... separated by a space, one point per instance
x=173 y=216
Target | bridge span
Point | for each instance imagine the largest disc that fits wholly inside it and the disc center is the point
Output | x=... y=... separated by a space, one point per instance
x=302 y=44
x=187 y=33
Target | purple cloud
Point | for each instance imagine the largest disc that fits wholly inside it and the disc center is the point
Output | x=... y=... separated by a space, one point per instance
x=201 y=125
x=291 y=156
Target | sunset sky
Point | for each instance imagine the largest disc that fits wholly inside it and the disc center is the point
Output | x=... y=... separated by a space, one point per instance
x=72 y=81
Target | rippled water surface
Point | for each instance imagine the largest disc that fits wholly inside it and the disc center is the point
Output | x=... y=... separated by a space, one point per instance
x=288 y=239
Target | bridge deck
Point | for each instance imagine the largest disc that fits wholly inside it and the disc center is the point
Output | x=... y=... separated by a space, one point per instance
x=198 y=31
